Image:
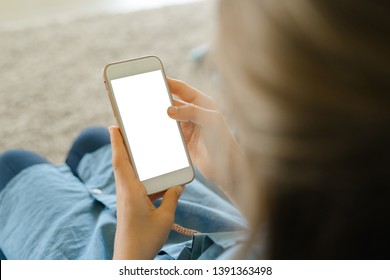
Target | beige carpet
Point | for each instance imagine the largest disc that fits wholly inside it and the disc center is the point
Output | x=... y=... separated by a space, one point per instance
x=51 y=85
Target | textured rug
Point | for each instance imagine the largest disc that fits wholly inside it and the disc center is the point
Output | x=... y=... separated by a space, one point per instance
x=51 y=84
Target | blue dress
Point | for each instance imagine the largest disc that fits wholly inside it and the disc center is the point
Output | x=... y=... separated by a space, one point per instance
x=47 y=213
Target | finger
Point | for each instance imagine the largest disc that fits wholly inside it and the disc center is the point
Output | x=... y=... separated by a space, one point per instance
x=170 y=200
x=120 y=159
x=190 y=94
x=178 y=102
x=183 y=90
x=191 y=113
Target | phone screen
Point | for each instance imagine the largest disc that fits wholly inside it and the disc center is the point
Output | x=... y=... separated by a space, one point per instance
x=154 y=138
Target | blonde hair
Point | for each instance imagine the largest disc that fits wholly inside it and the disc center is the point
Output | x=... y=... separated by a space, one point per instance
x=307 y=83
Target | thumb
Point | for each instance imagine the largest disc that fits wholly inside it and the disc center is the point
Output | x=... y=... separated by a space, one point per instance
x=170 y=200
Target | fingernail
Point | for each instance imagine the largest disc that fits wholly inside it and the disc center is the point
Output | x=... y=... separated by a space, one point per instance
x=179 y=190
x=172 y=110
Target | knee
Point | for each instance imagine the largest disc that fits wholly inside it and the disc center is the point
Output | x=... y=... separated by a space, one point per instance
x=17 y=158
x=88 y=141
x=91 y=139
x=92 y=133
x=14 y=156
x=14 y=161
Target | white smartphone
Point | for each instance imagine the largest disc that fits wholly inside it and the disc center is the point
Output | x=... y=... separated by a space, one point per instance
x=140 y=97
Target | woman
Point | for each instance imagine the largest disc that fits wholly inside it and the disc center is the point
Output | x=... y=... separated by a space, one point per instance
x=306 y=85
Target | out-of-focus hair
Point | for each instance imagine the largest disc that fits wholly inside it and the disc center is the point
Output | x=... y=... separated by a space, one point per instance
x=308 y=85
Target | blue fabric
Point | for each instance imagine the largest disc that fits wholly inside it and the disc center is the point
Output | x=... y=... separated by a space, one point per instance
x=14 y=161
x=48 y=213
x=88 y=141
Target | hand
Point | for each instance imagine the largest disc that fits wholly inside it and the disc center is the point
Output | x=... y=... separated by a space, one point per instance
x=209 y=140
x=141 y=229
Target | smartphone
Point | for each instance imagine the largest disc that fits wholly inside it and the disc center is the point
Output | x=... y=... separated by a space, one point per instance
x=140 y=96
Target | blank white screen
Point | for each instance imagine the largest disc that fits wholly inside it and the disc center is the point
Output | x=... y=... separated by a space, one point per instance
x=153 y=137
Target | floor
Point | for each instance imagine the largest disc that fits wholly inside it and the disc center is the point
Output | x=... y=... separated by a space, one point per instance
x=19 y=13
